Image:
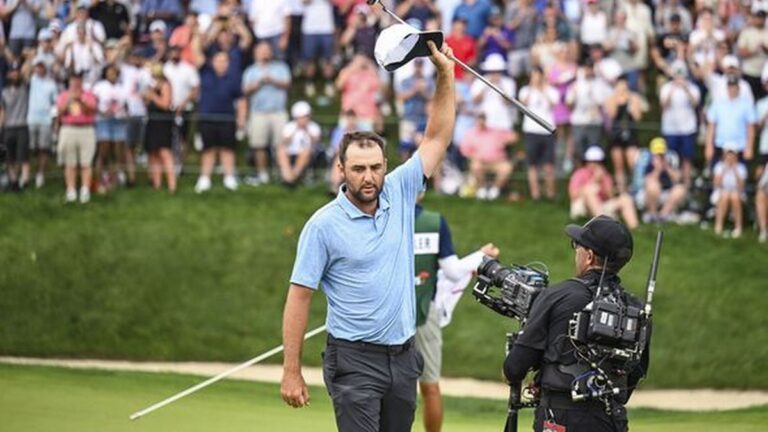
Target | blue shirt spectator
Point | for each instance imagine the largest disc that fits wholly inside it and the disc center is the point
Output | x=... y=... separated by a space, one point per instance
x=204 y=7
x=23 y=21
x=268 y=98
x=218 y=93
x=732 y=118
x=42 y=98
x=476 y=13
x=415 y=107
x=166 y=10
x=365 y=263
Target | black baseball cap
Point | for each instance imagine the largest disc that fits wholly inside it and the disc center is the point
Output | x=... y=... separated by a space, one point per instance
x=606 y=236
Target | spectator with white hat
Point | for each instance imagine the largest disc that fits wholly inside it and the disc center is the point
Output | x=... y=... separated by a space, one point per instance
x=731 y=123
x=717 y=82
x=157 y=48
x=300 y=136
x=499 y=113
x=591 y=191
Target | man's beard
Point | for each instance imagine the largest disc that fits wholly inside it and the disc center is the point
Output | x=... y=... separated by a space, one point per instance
x=362 y=198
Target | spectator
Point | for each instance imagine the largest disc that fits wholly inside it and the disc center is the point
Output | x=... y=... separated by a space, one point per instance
x=185 y=91
x=84 y=56
x=731 y=123
x=113 y=15
x=594 y=26
x=14 y=103
x=717 y=81
x=664 y=185
x=422 y=11
x=42 y=100
x=159 y=101
x=464 y=47
x=157 y=49
x=359 y=37
x=496 y=38
x=169 y=11
x=704 y=39
x=552 y=21
x=640 y=23
x=300 y=136
x=607 y=69
x=498 y=111
x=624 y=109
x=271 y=23
x=761 y=115
x=730 y=177
x=486 y=149
x=229 y=34
x=670 y=47
x=77 y=137
x=415 y=94
x=591 y=191
x=110 y=125
x=266 y=84
x=521 y=19
x=317 y=44
x=623 y=44
x=185 y=35
x=586 y=98
x=136 y=79
x=476 y=14
x=45 y=53
x=561 y=75
x=221 y=111
x=679 y=100
x=22 y=23
x=359 y=85
x=540 y=98
x=752 y=45
x=671 y=14
x=761 y=205
x=94 y=30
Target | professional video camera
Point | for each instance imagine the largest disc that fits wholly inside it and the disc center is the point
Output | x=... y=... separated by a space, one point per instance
x=509 y=291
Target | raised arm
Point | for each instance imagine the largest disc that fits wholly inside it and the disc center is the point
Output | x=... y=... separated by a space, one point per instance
x=439 y=132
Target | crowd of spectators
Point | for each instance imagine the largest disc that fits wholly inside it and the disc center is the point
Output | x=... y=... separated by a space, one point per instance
x=109 y=85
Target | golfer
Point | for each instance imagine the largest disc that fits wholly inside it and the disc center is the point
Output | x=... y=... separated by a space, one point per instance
x=360 y=248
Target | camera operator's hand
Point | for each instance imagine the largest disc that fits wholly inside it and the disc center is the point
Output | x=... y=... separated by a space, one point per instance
x=294 y=390
x=491 y=250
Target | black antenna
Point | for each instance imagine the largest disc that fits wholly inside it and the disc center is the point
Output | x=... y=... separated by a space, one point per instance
x=652 y=275
x=602 y=276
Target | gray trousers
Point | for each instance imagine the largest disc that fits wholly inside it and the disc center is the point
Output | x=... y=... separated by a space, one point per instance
x=373 y=387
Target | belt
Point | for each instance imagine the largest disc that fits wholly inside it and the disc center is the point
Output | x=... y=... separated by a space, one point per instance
x=563 y=401
x=368 y=346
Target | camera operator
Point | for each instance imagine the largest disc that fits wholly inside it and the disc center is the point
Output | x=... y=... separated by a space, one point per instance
x=545 y=346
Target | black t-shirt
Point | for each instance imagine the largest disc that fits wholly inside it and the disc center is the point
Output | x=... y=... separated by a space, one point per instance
x=114 y=17
x=666 y=42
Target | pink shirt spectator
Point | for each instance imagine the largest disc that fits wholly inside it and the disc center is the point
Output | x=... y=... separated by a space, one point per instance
x=561 y=77
x=359 y=93
x=182 y=37
x=584 y=176
x=486 y=145
x=77 y=113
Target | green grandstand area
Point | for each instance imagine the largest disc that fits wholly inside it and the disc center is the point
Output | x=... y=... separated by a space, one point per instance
x=143 y=275
x=45 y=399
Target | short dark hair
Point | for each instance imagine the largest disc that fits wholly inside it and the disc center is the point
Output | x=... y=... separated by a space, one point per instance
x=361 y=139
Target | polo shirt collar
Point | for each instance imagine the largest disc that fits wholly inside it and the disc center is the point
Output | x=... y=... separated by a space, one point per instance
x=351 y=210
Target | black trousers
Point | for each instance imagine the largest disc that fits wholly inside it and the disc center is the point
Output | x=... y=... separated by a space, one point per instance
x=582 y=420
x=373 y=387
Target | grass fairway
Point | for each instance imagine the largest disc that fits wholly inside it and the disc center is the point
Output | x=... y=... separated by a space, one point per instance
x=35 y=399
x=141 y=275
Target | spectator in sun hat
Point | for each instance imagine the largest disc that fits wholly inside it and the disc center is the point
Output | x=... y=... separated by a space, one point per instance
x=664 y=190
x=591 y=191
x=300 y=136
x=499 y=113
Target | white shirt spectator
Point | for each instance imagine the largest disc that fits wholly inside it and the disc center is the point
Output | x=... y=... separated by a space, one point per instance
x=111 y=99
x=541 y=102
x=135 y=81
x=300 y=139
x=93 y=28
x=679 y=117
x=704 y=44
x=183 y=78
x=498 y=113
x=755 y=40
x=731 y=175
x=318 y=17
x=587 y=97
x=87 y=58
x=718 y=87
x=268 y=17
x=639 y=21
x=594 y=27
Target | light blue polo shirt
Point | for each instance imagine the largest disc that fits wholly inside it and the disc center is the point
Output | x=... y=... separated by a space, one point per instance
x=731 y=118
x=365 y=263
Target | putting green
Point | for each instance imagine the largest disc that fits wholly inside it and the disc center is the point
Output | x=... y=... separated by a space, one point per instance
x=41 y=399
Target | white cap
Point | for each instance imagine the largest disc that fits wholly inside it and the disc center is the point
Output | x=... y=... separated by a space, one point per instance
x=84 y=4
x=400 y=43
x=594 y=154
x=158 y=25
x=44 y=34
x=300 y=109
x=494 y=63
x=729 y=61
